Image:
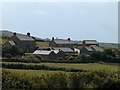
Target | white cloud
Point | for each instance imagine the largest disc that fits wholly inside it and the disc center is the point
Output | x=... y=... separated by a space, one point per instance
x=41 y=12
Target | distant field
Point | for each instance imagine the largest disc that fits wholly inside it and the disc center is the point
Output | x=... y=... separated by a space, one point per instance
x=40 y=44
x=88 y=66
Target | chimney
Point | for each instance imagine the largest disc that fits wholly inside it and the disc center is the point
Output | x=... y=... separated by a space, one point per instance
x=68 y=39
x=52 y=38
x=28 y=34
x=14 y=33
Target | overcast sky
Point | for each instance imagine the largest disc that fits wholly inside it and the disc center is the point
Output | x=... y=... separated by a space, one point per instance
x=77 y=20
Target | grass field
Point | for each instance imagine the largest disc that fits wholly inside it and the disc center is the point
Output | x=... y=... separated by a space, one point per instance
x=88 y=66
x=40 y=44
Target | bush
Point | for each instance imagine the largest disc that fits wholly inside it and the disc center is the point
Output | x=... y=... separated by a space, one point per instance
x=8 y=56
x=13 y=51
x=31 y=58
x=84 y=59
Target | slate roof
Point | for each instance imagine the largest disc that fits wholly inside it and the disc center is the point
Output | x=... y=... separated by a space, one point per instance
x=96 y=48
x=90 y=41
x=24 y=37
x=89 y=48
x=64 y=49
x=62 y=41
x=12 y=42
x=37 y=38
x=42 y=52
x=44 y=48
x=65 y=41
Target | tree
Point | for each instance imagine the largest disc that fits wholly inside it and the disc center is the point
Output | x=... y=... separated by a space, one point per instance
x=13 y=51
x=109 y=52
x=96 y=56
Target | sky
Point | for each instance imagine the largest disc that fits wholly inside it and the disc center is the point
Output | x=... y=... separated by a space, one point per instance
x=75 y=20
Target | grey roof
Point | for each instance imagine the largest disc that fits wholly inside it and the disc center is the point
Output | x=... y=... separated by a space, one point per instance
x=89 y=48
x=12 y=42
x=38 y=39
x=90 y=41
x=65 y=41
x=64 y=49
x=62 y=41
x=96 y=48
x=42 y=52
x=24 y=37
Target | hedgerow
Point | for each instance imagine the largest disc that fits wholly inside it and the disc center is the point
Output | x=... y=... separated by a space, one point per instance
x=38 y=67
x=93 y=79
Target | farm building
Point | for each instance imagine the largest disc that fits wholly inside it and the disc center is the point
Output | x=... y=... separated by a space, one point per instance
x=96 y=48
x=38 y=39
x=87 y=43
x=88 y=50
x=25 y=42
x=63 y=43
x=50 y=55
x=66 y=50
x=90 y=46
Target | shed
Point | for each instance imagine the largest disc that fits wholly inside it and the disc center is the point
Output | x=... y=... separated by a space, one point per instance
x=46 y=55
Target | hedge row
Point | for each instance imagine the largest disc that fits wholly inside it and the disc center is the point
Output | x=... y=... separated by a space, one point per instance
x=60 y=81
x=38 y=67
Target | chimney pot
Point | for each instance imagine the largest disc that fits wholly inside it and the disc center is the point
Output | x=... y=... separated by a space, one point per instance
x=68 y=39
x=14 y=33
x=28 y=34
x=52 y=38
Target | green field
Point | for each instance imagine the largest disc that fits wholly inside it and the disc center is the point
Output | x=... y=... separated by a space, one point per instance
x=88 y=66
x=40 y=44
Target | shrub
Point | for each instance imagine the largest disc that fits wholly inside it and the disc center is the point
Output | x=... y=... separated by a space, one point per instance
x=84 y=59
x=8 y=56
x=31 y=58
x=13 y=50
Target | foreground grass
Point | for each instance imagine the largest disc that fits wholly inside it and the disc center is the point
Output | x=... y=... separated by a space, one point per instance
x=60 y=81
x=87 y=66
